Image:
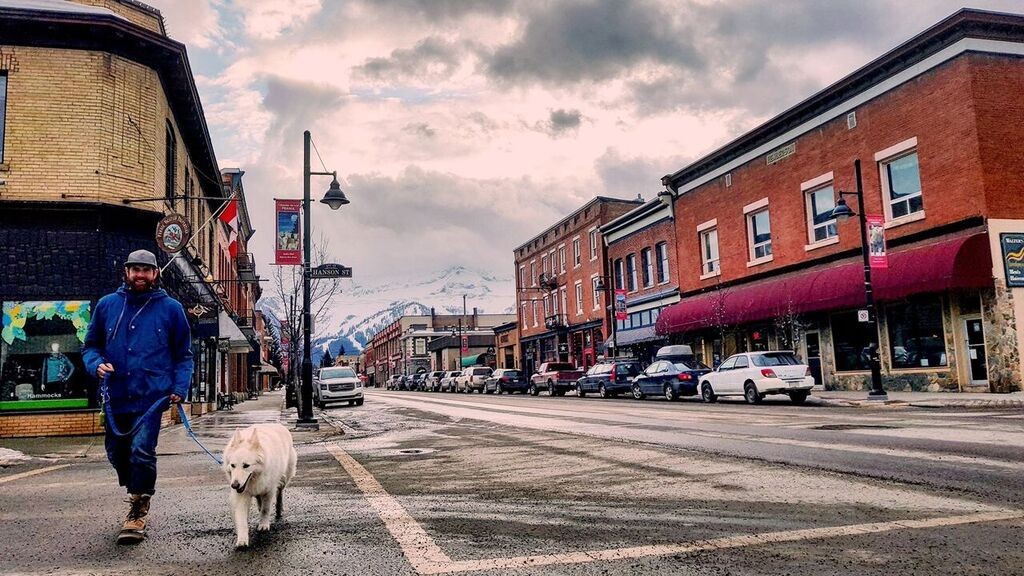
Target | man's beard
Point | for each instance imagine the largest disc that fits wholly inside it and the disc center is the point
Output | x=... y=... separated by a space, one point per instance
x=140 y=285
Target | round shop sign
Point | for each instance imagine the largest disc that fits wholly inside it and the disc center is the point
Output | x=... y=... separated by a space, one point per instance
x=172 y=233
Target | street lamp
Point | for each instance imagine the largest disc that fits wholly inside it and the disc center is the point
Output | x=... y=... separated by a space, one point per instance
x=458 y=341
x=334 y=198
x=842 y=213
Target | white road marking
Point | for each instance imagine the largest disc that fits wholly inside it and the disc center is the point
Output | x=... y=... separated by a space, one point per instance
x=14 y=477
x=418 y=546
x=426 y=557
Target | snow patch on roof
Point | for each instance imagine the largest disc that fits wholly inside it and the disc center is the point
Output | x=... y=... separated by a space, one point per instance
x=59 y=6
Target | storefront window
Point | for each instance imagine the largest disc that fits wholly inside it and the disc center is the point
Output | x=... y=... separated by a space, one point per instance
x=849 y=338
x=916 y=337
x=40 y=355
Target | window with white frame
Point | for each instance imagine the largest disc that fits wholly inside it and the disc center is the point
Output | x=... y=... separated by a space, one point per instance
x=565 y=302
x=709 y=251
x=820 y=223
x=618 y=274
x=544 y=266
x=662 y=253
x=522 y=276
x=533 y=271
x=547 y=306
x=579 y=297
x=901 y=181
x=759 y=230
x=593 y=244
x=534 y=313
x=554 y=302
x=561 y=259
x=525 y=316
x=552 y=262
x=631 y=273
x=647 y=265
x=596 y=292
x=576 y=252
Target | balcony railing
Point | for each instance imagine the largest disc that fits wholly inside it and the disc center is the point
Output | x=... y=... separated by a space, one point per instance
x=549 y=281
x=246 y=267
x=556 y=321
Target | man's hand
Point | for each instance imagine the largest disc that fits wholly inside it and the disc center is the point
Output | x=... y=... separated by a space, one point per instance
x=103 y=369
x=175 y=399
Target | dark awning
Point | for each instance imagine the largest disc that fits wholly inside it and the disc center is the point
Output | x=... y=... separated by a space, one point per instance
x=959 y=263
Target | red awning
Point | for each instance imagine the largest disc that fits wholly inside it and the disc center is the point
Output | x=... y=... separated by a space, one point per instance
x=964 y=262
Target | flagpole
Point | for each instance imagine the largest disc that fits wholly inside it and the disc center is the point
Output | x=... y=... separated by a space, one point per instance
x=215 y=214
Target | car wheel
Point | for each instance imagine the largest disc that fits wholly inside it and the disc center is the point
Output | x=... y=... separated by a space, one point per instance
x=481 y=390
x=603 y=392
x=580 y=392
x=552 y=391
x=750 y=393
x=498 y=390
x=670 y=393
x=798 y=397
x=533 y=390
x=359 y=402
x=637 y=394
x=707 y=394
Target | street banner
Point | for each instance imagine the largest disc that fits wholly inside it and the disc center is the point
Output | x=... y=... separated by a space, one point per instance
x=877 y=257
x=465 y=344
x=287 y=248
x=1012 y=244
x=620 y=304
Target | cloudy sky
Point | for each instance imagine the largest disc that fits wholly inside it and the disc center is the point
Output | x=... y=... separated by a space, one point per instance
x=461 y=128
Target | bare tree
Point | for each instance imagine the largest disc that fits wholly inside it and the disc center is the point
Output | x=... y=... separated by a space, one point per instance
x=287 y=285
x=789 y=327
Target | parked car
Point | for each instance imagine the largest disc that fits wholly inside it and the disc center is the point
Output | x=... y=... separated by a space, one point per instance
x=609 y=378
x=754 y=375
x=448 y=381
x=417 y=381
x=393 y=382
x=506 y=380
x=433 y=380
x=472 y=378
x=338 y=384
x=555 y=377
x=669 y=378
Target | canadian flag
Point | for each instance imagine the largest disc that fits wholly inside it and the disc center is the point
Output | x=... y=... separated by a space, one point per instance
x=229 y=216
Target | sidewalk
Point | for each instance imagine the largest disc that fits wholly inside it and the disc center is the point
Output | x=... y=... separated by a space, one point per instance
x=213 y=430
x=958 y=400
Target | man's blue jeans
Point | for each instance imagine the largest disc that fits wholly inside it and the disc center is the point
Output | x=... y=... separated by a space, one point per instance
x=134 y=456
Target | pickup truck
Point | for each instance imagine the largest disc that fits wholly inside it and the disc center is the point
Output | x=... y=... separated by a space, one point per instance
x=555 y=377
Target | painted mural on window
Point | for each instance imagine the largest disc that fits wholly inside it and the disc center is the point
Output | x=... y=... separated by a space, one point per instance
x=40 y=355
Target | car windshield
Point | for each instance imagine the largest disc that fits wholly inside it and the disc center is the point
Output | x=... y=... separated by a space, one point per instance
x=560 y=366
x=628 y=368
x=332 y=373
x=481 y=371
x=775 y=359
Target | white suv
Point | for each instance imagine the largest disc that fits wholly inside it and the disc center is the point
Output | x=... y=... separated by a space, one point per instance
x=472 y=378
x=338 y=384
x=754 y=375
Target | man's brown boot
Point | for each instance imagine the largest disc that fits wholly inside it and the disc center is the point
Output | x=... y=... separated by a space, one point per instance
x=134 y=529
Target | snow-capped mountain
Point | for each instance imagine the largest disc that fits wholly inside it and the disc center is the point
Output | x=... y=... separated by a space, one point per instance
x=361 y=310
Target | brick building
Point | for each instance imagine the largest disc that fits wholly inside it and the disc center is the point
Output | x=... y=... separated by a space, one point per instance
x=101 y=135
x=937 y=125
x=560 y=306
x=641 y=255
x=506 y=344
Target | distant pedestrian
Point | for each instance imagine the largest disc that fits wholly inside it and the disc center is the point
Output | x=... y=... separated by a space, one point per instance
x=139 y=346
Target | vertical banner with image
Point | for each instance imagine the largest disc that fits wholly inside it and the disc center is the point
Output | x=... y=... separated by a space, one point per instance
x=288 y=250
x=620 y=305
x=877 y=257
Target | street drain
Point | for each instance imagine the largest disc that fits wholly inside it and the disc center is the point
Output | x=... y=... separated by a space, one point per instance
x=415 y=451
x=854 y=427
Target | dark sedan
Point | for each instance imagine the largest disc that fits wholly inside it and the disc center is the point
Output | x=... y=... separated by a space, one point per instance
x=506 y=380
x=669 y=379
x=609 y=378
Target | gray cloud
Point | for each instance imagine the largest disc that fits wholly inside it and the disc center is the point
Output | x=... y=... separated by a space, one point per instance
x=565 y=120
x=297 y=105
x=420 y=130
x=430 y=59
x=441 y=10
x=628 y=176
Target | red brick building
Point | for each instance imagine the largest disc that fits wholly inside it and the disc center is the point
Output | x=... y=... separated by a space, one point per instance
x=641 y=255
x=561 y=315
x=937 y=125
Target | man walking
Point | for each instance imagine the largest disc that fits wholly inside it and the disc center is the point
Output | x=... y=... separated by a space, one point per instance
x=139 y=346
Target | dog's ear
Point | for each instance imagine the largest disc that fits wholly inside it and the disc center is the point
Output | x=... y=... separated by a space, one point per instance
x=254 y=439
x=236 y=437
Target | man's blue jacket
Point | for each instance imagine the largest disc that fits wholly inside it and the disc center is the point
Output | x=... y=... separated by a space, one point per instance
x=146 y=338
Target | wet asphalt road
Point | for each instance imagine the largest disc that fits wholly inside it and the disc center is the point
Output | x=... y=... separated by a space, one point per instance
x=472 y=484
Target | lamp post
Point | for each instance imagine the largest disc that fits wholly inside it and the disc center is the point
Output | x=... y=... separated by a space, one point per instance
x=842 y=212
x=458 y=341
x=334 y=198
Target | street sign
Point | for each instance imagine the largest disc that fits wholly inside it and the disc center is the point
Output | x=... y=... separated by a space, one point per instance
x=330 y=271
x=863 y=316
x=172 y=233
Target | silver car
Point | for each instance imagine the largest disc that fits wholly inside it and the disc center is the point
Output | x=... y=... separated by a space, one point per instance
x=338 y=384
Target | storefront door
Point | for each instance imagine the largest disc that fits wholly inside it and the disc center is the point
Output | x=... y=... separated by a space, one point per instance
x=812 y=353
x=976 y=365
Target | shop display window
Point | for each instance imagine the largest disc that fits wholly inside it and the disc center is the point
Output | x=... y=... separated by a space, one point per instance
x=916 y=337
x=849 y=339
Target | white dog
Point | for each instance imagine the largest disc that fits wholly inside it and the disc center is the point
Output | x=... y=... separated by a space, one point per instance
x=259 y=462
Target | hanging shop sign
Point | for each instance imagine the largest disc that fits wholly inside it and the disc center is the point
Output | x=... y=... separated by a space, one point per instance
x=620 y=304
x=288 y=251
x=1012 y=244
x=172 y=233
x=877 y=257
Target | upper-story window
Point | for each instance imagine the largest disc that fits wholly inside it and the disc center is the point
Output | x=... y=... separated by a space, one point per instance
x=759 y=231
x=647 y=265
x=618 y=274
x=522 y=277
x=820 y=223
x=525 y=315
x=579 y=297
x=170 y=162
x=533 y=271
x=707 y=234
x=662 y=253
x=901 y=179
x=561 y=259
x=594 y=284
x=593 y=244
x=575 y=252
x=631 y=272
x=3 y=111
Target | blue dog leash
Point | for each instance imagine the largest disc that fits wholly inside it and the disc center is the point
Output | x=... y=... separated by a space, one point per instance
x=159 y=404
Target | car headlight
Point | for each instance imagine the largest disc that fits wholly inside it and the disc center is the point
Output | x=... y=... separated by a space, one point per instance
x=323 y=386
x=359 y=384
